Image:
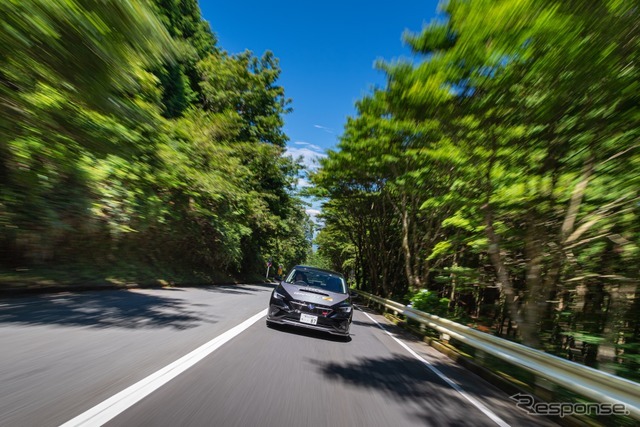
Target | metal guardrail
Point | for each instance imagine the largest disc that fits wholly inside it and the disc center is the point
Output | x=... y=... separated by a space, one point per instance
x=583 y=380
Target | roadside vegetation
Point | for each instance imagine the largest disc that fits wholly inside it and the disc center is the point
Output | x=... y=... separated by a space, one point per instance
x=130 y=142
x=495 y=178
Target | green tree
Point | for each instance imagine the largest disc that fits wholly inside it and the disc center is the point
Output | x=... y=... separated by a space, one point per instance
x=506 y=154
x=130 y=137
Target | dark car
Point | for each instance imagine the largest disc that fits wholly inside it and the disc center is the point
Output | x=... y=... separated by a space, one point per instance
x=312 y=298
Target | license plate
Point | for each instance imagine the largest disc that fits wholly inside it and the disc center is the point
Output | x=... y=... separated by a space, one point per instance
x=305 y=318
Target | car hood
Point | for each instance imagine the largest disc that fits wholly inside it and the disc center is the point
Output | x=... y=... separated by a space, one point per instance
x=313 y=295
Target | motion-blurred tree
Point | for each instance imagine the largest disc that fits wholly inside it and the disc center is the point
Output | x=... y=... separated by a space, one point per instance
x=510 y=149
x=113 y=151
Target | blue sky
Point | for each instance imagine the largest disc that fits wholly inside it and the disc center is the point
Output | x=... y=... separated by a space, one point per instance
x=327 y=52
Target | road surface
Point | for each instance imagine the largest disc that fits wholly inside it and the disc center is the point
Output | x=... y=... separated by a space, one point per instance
x=204 y=357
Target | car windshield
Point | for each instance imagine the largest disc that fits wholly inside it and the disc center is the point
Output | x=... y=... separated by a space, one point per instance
x=318 y=279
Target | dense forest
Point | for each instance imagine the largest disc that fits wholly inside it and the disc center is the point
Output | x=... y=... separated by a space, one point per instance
x=495 y=178
x=129 y=138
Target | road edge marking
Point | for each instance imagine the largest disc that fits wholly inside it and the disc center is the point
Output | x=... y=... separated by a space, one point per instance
x=118 y=403
x=443 y=377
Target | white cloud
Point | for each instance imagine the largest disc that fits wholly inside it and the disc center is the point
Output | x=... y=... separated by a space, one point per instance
x=308 y=154
x=313 y=213
x=309 y=145
x=309 y=157
x=303 y=182
x=324 y=128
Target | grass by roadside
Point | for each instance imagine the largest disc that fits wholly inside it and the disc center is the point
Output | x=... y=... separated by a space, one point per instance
x=117 y=275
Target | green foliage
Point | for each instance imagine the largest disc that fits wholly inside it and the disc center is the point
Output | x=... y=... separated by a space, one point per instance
x=83 y=50
x=499 y=168
x=315 y=259
x=180 y=79
x=127 y=134
x=429 y=302
x=246 y=84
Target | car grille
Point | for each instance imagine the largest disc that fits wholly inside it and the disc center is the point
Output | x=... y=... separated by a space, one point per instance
x=319 y=310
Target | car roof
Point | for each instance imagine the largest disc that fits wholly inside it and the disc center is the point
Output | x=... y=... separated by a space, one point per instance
x=309 y=267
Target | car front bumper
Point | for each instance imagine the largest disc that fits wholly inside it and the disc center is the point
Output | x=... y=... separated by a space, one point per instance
x=333 y=325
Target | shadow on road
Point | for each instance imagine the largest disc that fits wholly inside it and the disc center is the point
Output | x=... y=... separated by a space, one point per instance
x=427 y=398
x=408 y=381
x=368 y=324
x=233 y=289
x=104 y=309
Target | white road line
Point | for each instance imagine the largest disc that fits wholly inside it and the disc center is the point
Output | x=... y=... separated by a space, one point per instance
x=110 y=408
x=446 y=379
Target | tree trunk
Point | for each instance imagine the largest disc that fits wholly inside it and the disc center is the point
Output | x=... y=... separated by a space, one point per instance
x=414 y=284
x=452 y=277
x=504 y=281
x=535 y=304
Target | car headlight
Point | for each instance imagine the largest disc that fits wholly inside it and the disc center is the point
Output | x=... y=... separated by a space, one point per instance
x=345 y=308
x=277 y=295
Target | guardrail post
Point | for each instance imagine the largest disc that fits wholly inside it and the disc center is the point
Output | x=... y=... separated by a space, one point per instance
x=550 y=373
x=544 y=388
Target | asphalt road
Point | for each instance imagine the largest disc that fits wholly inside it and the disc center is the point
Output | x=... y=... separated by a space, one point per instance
x=64 y=355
